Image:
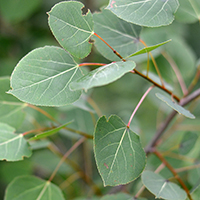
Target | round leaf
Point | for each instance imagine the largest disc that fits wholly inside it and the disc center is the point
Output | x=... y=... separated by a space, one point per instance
x=43 y=76
x=71 y=28
x=103 y=75
x=150 y=13
x=119 y=155
x=32 y=188
x=13 y=147
x=161 y=187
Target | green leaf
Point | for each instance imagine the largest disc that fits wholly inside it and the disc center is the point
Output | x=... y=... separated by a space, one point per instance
x=43 y=76
x=32 y=188
x=13 y=147
x=103 y=75
x=188 y=142
x=15 y=11
x=11 y=109
x=148 y=49
x=189 y=11
x=175 y=106
x=71 y=28
x=121 y=35
x=145 y=13
x=120 y=196
x=119 y=155
x=48 y=133
x=161 y=187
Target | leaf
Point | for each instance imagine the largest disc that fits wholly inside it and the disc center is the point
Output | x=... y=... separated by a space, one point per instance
x=150 y=13
x=48 y=133
x=15 y=11
x=11 y=109
x=175 y=106
x=189 y=11
x=148 y=49
x=188 y=142
x=120 y=196
x=43 y=76
x=119 y=155
x=32 y=188
x=121 y=35
x=103 y=75
x=161 y=187
x=71 y=28
x=13 y=147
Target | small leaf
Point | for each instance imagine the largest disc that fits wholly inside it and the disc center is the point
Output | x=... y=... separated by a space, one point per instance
x=11 y=109
x=43 y=76
x=150 y=13
x=148 y=49
x=103 y=75
x=71 y=28
x=13 y=147
x=32 y=188
x=119 y=196
x=188 y=142
x=119 y=155
x=121 y=35
x=161 y=187
x=175 y=106
x=48 y=133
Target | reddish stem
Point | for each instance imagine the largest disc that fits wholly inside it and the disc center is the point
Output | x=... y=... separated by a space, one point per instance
x=138 y=105
x=114 y=51
x=158 y=154
x=86 y=64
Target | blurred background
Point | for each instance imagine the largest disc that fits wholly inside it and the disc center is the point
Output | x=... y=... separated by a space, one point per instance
x=24 y=26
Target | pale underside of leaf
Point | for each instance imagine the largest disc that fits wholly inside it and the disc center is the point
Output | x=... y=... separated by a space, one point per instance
x=43 y=76
x=150 y=13
x=175 y=106
x=103 y=75
x=161 y=187
x=32 y=188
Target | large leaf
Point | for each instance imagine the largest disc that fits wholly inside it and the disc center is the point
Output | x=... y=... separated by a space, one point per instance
x=188 y=142
x=71 y=28
x=145 y=13
x=43 y=76
x=161 y=187
x=32 y=188
x=121 y=35
x=11 y=109
x=103 y=75
x=13 y=147
x=175 y=106
x=119 y=155
x=148 y=49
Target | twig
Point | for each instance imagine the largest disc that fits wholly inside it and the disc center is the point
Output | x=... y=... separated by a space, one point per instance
x=173 y=172
x=156 y=84
x=65 y=156
x=114 y=51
